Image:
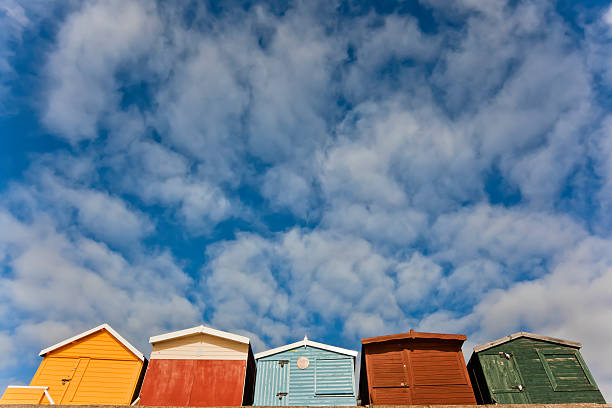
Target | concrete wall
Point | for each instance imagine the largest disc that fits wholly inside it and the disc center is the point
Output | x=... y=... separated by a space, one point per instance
x=377 y=406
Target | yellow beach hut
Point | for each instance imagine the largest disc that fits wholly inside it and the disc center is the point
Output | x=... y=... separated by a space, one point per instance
x=95 y=367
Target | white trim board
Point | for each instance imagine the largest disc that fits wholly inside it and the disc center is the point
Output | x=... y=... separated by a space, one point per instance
x=303 y=343
x=199 y=330
x=517 y=335
x=35 y=387
x=104 y=326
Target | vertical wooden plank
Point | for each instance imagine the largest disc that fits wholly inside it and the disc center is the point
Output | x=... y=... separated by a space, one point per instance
x=74 y=383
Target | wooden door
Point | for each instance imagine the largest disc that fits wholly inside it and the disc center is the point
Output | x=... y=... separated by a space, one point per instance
x=105 y=382
x=73 y=384
x=56 y=373
x=274 y=387
x=504 y=378
x=388 y=373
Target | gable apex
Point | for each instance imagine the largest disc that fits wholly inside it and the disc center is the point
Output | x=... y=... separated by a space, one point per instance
x=518 y=335
x=104 y=326
x=201 y=329
x=304 y=343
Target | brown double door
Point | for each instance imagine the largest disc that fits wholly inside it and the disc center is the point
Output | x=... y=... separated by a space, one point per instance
x=389 y=372
x=419 y=373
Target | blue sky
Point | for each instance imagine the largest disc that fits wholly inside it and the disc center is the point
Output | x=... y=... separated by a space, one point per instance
x=335 y=169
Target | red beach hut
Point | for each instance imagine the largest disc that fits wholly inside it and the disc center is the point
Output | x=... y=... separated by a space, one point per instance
x=199 y=367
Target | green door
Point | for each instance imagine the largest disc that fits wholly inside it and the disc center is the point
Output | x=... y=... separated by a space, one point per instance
x=503 y=378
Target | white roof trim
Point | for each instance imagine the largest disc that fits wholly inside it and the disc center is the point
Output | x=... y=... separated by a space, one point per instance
x=306 y=342
x=104 y=326
x=517 y=335
x=197 y=330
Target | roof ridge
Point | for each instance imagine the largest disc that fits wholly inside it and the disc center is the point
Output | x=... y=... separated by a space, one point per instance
x=199 y=329
x=520 y=334
x=306 y=342
x=103 y=326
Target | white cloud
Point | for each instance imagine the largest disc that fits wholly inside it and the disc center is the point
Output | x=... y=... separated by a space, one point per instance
x=7 y=356
x=91 y=45
x=386 y=157
x=286 y=189
x=570 y=302
x=518 y=238
x=57 y=285
x=607 y=16
x=13 y=21
x=105 y=216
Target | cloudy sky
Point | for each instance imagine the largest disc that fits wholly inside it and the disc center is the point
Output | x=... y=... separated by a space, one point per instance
x=339 y=169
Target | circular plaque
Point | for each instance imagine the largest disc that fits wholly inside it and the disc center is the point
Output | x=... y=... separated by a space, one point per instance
x=302 y=363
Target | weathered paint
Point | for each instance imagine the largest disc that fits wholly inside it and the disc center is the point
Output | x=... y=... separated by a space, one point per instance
x=196 y=383
x=329 y=379
x=199 y=369
x=414 y=368
x=96 y=369
x=528 y=370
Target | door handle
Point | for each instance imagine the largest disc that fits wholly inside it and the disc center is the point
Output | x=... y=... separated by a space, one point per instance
x=280 y=395
x=518 y=387
x=65 y=380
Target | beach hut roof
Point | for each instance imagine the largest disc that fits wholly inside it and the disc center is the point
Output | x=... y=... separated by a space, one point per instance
x=199 y=330
x=306 y=342
x=104 y=326
x=528 y=335
x=414 y=335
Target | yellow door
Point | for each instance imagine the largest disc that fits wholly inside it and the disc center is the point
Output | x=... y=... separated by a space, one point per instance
x=56 y=373
x=104 y=382
x=75 y=381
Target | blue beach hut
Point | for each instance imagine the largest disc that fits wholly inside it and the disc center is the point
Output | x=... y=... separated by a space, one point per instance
x=305 y=373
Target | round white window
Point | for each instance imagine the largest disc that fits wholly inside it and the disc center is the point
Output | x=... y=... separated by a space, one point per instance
x=302 y=363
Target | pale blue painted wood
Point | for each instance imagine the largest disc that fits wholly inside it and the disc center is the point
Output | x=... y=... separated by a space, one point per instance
x=275 y=389
x=328 y=380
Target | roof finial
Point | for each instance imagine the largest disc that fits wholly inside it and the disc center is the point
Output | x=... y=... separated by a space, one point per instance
x=305 y=338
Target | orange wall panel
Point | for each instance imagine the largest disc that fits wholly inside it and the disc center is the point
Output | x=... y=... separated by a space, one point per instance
x=100 y=344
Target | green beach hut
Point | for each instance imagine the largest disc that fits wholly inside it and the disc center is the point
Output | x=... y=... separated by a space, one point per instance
x=527 y=368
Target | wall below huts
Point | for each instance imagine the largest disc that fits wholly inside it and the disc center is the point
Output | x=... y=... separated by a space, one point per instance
x=378 y=406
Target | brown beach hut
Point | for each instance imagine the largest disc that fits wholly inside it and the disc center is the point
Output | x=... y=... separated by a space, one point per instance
x=414 y=369
x=199 y=367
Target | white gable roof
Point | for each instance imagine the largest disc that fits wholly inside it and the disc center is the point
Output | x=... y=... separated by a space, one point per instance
x=104 y=326
x=303 y=343
x=525 y=334
x=199 y=330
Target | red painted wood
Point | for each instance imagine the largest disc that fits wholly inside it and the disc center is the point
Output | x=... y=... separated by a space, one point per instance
x=167 y=382
x=218 y=383
x=196 y=383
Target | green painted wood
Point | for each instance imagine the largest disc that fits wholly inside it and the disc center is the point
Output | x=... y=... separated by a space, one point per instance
x=505 y=381
x=551 y=373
